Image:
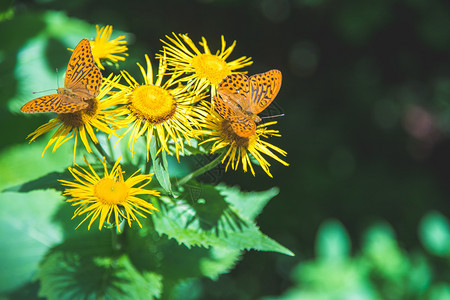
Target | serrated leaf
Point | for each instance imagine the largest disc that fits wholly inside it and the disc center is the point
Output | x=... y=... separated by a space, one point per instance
x=87 y=265
x=206 y=219
x=160 y=166
x=150 y=252
x=28 y=231
x=220 y=260
x=71 y=275
x=254 y=201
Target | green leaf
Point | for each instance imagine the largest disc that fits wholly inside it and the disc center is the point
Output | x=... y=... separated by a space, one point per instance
x=23 y=163
x=191 y=148
x=439 y=291
x=176 y=263
x=340 y=279
x=60 y=26
x=160 y=166
x=189 y=289
x=27 y=231
x=48 y=181
x=419 y=274
x=71 y=275
x=434 y=233
x=333 y=242
x=203 y=217
x=86 y=265
x=384 y=254
x=254 y=203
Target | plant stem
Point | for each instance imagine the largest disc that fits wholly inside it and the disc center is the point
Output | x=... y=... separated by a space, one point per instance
x=103 y=152
x=201 y=170
x=111 y=150
x=118 y=232
x=115 y=239
x=148 y=164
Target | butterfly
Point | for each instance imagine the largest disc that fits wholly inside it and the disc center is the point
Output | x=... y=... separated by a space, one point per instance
x=242 y=98
x=82 y=82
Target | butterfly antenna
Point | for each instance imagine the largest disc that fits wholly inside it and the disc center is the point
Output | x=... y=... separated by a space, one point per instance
x=43 y=91
x=57 y=83
x=268 y=117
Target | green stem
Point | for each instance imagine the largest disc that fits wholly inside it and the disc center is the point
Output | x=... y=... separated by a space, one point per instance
x=202 y=170
x=148 y=164
x=115 y=239
x=110 y=148
x=103 y=152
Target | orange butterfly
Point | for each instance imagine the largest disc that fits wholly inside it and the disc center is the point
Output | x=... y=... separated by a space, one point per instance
x=242 y=98
x=82 y=82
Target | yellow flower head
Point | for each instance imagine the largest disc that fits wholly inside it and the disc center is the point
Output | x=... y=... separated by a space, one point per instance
x=82 y=123
x=158 y=110
x=105 y=49
x=102 y=196
x=219 y=132
x=203 y=69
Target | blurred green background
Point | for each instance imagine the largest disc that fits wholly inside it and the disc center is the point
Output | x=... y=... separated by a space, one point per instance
x=365 y=93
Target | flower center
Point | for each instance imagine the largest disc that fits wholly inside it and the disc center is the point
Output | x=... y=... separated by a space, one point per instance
x=80 y=118
x=152 y=103
x=111 y=192
x=210 y=67
x=227 y=133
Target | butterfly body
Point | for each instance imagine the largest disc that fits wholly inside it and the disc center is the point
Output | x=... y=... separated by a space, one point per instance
x=242 y=98
x=64 y=92
x=82 y=82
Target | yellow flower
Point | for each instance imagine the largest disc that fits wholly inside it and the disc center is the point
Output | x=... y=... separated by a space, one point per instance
x=105 y=49
x=158 y=110
x=204 y=69
x=219 y=132
x=82 y=123
x=101 y=197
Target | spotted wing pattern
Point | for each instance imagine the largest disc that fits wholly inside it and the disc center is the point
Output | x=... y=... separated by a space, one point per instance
x=54 y=103
x=83 y=77
x=70 y=105
x=82 y=82
x=234 y=89
x=242 y=98
x=43 y=104
x=264 y=88
x=241 y=123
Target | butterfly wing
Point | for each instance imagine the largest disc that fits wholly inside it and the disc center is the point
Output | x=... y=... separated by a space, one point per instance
x=234 y=90
x=242 y=124
x=70 y=105
x=264 y=88
x=53 y=103
x=83 y=77
x=42 y=104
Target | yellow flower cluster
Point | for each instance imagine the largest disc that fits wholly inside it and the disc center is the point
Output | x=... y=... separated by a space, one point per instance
x=170 y=106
